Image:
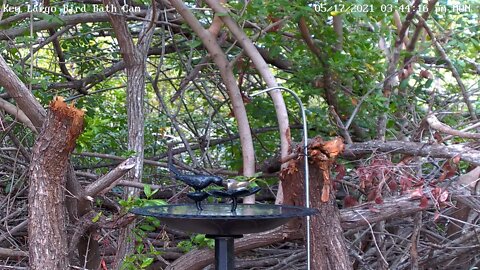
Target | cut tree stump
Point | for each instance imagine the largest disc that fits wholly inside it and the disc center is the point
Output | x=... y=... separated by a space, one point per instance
x=328 y=249
x=46 y=208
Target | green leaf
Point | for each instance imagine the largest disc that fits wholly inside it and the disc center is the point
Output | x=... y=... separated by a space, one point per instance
x=403 y=84
x=146 y=262
x=140 y=248
x=147 y=189
x=221 y=14
x=148 y=228
x=156 y=202
x=199 y=238
x=97 y=217
x=194 y=43
x=428 y=83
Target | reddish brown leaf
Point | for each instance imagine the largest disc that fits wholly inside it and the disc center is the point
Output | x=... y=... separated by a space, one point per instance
x=456 y=159
x=340 y=169
x=426 y=74
x=443 y=196
x=349 y=201
x=392 y=185
x=104 y=265
x=416 y=193
x=371 y=195
x=354 y=101
x=438 y=137
x=424 y=201
x=449 y=170
x=405 y=183
x=378 y=200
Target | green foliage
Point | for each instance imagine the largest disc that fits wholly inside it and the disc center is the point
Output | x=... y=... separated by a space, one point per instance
x=196 y=241
x=144 y=255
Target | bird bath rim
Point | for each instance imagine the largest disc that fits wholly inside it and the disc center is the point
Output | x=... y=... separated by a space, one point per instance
x=289 y=211
x=217 y=219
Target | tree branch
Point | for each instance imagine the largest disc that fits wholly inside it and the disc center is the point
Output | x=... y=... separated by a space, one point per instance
x=102 y=185
x=229 y=80
x=17 y=114
x=415 y=149
x=24 y=98
x=434 y=123
x=62 y=21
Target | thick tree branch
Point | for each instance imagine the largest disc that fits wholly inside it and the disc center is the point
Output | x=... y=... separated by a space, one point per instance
x=263 y=69
x=17 y=114
x=229 y=80
x=24 y=98
x=102 y=184
x=415 y=149
x=135 y=57
x=434 y=123
x=62 y=21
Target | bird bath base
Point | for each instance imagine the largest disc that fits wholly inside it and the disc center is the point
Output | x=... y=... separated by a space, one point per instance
x=217 y=221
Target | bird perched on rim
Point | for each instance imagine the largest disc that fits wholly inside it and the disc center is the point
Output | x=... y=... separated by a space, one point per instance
x=196 y=181
x=233 y=184
x=198 y=197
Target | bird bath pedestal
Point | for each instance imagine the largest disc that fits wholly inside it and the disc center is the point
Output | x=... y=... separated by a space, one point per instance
x=219 y=222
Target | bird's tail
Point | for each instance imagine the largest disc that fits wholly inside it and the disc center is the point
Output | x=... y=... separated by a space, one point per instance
x=172 y=168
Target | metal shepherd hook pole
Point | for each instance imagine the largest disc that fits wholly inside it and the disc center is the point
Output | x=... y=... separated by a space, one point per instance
x=305 y=155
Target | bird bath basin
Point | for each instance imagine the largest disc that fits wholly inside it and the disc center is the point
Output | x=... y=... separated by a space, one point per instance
x=217 y=221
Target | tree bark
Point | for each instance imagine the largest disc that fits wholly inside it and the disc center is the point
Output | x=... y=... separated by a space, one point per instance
x=47 y=213
x=328 y=249
x=24 y=98
x=466 y=153
x=135 y=57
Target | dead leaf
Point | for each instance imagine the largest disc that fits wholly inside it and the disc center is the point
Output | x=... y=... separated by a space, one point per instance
x=354 y=101
x=416 y=193
x=340 y=169
x=443 y=196
x=392 y=185
x=349 y=201
x=424 y=202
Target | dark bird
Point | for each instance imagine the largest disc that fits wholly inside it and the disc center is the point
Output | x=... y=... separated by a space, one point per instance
x=198 y=197
x=234 y=194
x=196 y=181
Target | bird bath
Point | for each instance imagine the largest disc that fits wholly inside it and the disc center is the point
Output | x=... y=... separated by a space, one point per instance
x=219 y=222
x=224 y=222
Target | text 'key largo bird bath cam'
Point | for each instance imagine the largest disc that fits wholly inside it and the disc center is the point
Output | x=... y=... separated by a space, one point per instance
x=225 y=222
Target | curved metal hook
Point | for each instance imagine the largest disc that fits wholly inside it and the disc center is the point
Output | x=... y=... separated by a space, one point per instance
x=305 y=154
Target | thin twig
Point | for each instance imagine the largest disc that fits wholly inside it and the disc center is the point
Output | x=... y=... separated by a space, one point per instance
x=373 y=237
